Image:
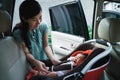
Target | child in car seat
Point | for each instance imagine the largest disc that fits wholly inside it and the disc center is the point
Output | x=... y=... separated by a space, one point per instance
x=61 y=69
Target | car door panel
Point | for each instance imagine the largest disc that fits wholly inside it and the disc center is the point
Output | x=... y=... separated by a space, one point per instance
x=65 y=43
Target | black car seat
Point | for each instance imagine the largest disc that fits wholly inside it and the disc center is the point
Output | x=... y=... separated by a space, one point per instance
x=109 y=30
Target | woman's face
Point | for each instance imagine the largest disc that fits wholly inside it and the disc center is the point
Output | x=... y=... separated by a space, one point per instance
x=34 y=21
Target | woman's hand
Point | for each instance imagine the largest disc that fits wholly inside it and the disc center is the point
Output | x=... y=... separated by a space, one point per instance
x=55 y=61
x=41 y=66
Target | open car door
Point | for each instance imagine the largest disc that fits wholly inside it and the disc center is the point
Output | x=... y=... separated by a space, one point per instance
x=69 y=28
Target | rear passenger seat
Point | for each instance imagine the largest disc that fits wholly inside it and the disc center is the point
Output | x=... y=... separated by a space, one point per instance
x=109 y=30
x=13 y=64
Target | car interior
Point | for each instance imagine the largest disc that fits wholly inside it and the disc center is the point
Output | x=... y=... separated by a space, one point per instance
x=13 y=63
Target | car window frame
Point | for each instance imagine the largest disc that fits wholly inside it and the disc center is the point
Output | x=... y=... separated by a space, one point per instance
x=83 y=19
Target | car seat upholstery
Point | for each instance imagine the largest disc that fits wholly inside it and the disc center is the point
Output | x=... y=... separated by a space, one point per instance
x=13 y=64
x=109 y=30
x=5 y=22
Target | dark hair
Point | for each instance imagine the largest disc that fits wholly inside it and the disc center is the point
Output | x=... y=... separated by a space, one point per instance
x=27 y=9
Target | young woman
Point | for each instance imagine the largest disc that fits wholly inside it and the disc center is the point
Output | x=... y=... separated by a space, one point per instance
x=33 y=35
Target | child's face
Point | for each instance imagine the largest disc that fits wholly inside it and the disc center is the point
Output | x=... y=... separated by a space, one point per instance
x=78 y=58
x=34 y=21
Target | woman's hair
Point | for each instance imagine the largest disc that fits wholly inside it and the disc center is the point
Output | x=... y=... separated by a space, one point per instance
x=27 y=10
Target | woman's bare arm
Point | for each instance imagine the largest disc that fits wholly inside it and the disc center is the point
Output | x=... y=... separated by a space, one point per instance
x=48 y=50
x=40 y=65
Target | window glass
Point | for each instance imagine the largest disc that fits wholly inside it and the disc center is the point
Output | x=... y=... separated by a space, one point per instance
x=111 y=9
x=67 y=18
x=0 y=4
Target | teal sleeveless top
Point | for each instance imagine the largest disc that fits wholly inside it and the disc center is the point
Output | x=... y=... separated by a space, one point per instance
x=36 y=41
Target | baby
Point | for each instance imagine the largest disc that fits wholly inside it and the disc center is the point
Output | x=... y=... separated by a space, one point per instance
x=74 y=60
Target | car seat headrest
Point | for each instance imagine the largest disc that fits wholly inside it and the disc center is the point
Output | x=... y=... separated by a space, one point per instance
x=5 y=22
x=109 y=29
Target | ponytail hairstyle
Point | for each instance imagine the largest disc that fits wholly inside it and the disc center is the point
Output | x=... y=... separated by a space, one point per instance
x=27 y=9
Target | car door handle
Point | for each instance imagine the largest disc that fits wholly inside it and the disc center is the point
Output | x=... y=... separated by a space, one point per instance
x=65 y=48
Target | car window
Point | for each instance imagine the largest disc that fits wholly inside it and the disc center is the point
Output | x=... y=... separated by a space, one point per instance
x=111 y=9
x=7 y=5
x=0 y=4
x=68 y=18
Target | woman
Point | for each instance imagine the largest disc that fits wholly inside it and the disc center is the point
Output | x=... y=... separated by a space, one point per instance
x=33 y=35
